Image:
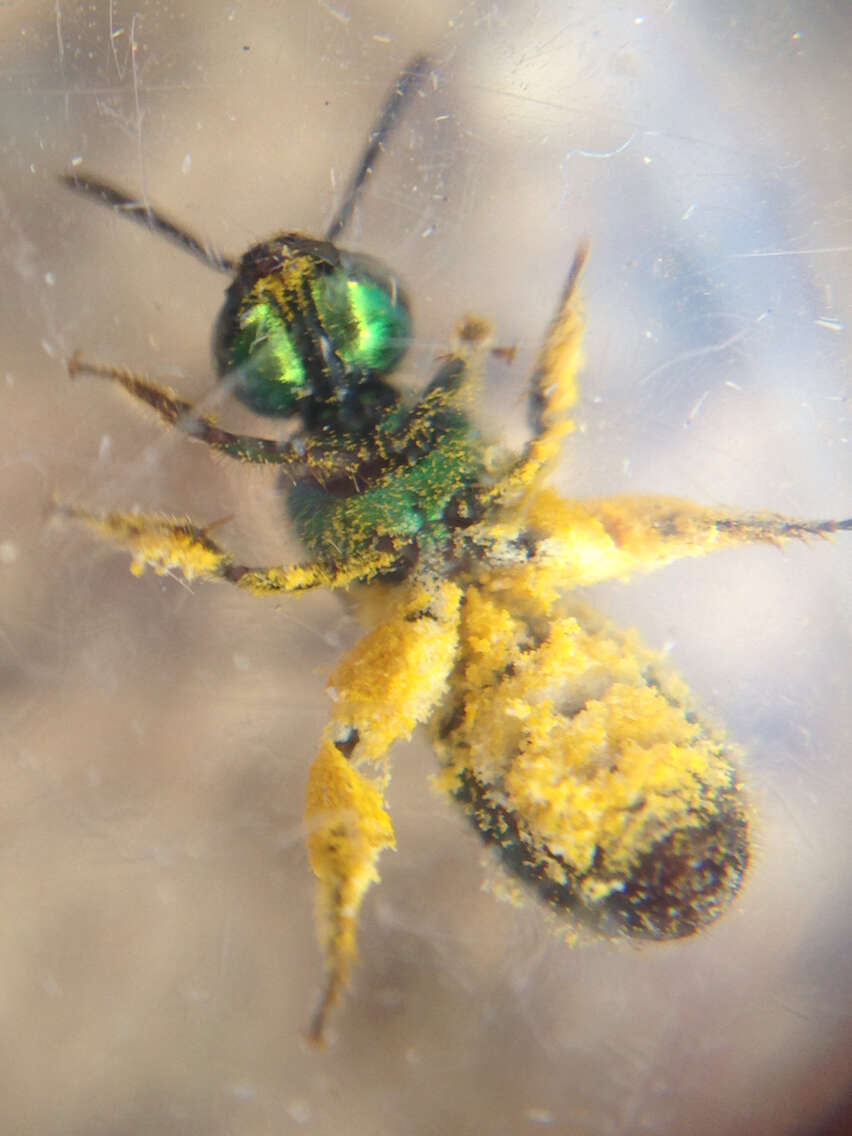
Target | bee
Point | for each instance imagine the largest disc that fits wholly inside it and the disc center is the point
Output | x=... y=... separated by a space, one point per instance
x=579 y=757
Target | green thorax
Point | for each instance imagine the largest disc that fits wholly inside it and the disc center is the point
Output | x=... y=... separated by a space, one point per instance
x=418 y=470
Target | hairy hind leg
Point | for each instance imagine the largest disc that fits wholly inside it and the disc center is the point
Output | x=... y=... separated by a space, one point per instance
x=574 y=544
x=388 y=683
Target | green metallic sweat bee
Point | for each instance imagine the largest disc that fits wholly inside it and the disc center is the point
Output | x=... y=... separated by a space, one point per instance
x=573 y=750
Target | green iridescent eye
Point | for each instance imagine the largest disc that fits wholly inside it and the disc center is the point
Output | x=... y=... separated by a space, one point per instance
x=364 y=314
x=305 y=324
x=264 y=362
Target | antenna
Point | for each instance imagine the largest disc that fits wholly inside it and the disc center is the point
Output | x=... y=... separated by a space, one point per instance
x=144 y=214
x=409 y=83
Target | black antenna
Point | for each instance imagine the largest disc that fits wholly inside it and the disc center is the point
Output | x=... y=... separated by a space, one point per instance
x=409 y=82
x=130 y=206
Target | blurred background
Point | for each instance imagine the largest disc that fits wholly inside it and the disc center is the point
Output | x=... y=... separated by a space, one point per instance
x=157 y=955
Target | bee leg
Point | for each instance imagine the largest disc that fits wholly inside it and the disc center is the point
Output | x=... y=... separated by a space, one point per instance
x=587 y=542
x=171 y=544
x=295 y=458
x=388 y=684
x=553 y=393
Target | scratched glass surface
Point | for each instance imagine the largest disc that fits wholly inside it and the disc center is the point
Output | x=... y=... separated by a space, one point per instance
x=158 y=938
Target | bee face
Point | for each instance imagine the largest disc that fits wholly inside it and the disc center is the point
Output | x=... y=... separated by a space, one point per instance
x=310 y=330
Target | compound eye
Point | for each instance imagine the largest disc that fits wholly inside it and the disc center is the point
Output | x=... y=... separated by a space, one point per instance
x=305 y=323
x=263 y=360
x=261 y=343
x=365 y=316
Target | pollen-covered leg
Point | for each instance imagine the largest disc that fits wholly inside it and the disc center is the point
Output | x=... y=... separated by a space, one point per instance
x=169 y=544
x=580 y=543
x=154 y=540
x=296 y=459
x=553 y=390
x=348 y=828
x=387 y=684
x=617 y=536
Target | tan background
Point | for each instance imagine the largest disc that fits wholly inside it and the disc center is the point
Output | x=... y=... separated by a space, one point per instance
x=157 y=960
